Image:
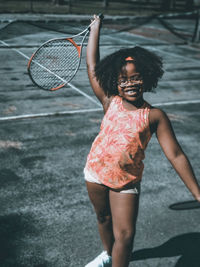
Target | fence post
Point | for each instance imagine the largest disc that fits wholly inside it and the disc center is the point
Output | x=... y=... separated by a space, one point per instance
x=31 y=6
x=196 y=35
x=69 y=6
x=105 y=3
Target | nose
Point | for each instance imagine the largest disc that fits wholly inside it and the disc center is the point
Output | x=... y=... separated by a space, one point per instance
x=129 y=81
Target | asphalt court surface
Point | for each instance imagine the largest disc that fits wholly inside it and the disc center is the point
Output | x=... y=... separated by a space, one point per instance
x=46 y=218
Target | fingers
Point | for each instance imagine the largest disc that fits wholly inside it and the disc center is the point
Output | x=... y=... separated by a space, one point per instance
x=96 y=17
x=198 y=198
x=95 y=22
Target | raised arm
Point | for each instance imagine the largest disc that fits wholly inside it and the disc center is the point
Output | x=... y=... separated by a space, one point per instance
x=174 y=152
x=93 y=58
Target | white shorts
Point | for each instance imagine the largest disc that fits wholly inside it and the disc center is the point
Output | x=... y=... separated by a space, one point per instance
x=91 y=179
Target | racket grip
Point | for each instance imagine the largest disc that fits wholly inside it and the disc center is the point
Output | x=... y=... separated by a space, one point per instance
x=101 y=16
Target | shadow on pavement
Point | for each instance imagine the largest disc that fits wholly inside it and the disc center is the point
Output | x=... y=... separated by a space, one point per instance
x=186 y=246
x=13 y=229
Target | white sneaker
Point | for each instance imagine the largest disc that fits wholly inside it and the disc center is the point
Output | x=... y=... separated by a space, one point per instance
x=103 y=260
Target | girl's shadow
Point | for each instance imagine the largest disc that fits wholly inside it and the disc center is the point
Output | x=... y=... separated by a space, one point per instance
x=187 y=246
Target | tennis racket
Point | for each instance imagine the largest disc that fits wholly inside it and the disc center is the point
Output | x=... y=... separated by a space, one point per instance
x=186 y=205
x=56 y=62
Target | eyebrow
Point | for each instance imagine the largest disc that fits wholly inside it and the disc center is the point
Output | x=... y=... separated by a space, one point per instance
x=134 y=75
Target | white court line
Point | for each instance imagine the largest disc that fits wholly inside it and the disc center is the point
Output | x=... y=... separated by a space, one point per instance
x=67 y=83
x=138 y=36
x=30 y=116
x=155 y=49
x=177 y=56
x=181 y=102
x=50 y=114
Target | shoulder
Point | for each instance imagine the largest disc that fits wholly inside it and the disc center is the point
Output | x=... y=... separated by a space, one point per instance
x=156 y=117
x=156 y=113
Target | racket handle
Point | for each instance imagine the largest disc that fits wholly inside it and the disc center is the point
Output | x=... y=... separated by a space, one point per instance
x=101 y=16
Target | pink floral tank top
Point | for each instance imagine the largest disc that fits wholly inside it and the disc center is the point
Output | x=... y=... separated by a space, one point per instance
x=116 y=155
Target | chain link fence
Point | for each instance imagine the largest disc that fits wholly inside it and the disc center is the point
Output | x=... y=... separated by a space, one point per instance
x=112 y=7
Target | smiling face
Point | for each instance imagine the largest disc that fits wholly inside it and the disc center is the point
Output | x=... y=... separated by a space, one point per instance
x=130 y=84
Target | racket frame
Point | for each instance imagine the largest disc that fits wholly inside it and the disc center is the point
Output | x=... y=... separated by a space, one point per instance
x=79 y=51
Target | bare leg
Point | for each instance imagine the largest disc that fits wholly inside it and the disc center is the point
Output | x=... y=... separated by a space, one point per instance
x=99 y=196
x=124 y=209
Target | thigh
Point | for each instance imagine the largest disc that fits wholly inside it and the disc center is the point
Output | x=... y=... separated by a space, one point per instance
x=99 y=196
x=124 y=209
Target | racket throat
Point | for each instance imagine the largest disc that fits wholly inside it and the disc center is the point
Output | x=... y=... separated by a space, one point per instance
x=78 y=47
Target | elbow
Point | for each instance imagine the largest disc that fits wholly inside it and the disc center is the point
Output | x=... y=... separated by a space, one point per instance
x=175 y=155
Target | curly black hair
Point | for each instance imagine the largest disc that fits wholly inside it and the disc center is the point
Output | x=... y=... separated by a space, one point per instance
x=148 y=64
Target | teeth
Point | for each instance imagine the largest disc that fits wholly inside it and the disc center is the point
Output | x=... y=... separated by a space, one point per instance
x=131 y=92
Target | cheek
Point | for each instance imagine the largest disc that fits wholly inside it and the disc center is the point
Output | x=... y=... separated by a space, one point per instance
x=120 y=91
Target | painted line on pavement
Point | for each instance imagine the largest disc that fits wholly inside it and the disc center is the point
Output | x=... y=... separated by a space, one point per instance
x=50 y=114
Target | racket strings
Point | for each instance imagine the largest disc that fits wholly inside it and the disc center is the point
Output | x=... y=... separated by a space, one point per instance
x=54 y=64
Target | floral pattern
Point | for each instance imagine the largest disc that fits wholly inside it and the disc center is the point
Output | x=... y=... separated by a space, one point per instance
x=116 y=155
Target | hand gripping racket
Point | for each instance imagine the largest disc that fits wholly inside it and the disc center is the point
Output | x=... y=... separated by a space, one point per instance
x=57 y=61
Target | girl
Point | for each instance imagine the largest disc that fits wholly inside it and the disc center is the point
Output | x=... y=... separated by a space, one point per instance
x=114 y=165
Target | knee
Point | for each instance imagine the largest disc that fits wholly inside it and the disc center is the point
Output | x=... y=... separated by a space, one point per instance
x=103 y=218
x=125 y=236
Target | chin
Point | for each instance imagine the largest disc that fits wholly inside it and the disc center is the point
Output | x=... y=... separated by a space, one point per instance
x=132 y=98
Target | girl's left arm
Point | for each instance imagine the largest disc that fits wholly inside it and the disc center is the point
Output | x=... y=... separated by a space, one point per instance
x=174 y=152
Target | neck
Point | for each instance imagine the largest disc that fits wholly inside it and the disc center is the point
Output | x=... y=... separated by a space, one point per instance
x=138 y=103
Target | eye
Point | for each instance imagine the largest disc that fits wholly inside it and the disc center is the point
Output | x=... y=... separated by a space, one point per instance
x=122 y=81
x=135 y=78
